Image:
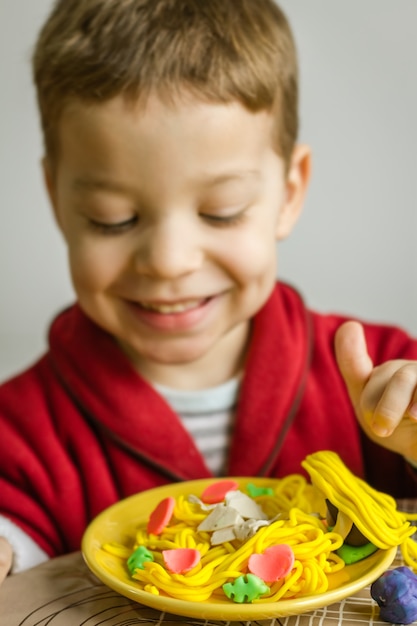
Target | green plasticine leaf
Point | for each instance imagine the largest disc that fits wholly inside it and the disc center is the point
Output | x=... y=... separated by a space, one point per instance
x=353 y=554
x=138 y=558
x=254 y=490
x=245 y=588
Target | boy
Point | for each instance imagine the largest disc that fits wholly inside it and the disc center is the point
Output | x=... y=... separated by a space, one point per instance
x=172 y=168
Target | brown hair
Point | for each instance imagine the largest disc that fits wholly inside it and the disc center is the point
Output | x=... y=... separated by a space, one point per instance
x=219 y=50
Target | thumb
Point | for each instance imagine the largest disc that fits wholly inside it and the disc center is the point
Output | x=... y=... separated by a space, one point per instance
x=353 y=359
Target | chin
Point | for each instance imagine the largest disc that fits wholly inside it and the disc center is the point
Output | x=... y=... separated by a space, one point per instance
x=175 y=357
x=165 y=354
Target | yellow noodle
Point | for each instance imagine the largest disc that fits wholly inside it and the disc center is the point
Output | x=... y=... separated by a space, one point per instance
x=346 y=485
x=294 y=503
x=152 y=589
x=333 y=564
x=409 y=553
x=296 y=516
x=117 y=549
x=313 y=544
x=188 y=511
x=290 y=491
x=288 y=584
x=178 y=586
x=215 y=553
x=373 y=512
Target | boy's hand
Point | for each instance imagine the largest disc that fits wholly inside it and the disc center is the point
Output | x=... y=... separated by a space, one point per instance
x=6 y=556
x=384 y=397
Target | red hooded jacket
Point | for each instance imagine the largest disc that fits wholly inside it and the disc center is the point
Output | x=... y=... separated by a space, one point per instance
x=81 y=429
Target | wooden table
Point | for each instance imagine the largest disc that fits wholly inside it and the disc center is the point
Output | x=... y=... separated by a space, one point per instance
x=63 y=592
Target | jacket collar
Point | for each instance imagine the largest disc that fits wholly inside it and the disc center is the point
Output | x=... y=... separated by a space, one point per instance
x=114 y=398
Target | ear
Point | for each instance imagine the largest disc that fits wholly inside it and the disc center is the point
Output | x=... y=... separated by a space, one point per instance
x=296 y=187
x=50 y=186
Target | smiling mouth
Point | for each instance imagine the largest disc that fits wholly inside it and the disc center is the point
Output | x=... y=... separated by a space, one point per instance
x=172 y=308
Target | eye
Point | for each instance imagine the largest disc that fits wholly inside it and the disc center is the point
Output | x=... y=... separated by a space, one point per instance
x=224 y=220
x=113 y=229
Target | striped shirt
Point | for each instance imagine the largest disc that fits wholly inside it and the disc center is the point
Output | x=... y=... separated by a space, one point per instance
x=208 y=415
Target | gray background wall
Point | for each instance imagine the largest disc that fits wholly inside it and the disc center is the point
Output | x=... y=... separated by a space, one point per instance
x=354 y=249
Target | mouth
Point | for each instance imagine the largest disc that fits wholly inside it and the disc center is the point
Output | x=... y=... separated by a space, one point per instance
x=169 y=316
x=172 y=308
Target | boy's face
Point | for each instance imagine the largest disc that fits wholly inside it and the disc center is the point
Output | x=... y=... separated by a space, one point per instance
x=171 y=216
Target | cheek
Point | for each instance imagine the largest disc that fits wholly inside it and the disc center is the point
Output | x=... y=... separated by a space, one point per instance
x=253 y=258
x=93 y=267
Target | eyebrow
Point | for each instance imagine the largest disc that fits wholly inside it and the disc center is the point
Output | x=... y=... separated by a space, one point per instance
x=98 y=184
x=230 y=176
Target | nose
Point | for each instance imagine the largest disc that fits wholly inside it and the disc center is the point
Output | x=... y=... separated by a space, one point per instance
x=168 y=249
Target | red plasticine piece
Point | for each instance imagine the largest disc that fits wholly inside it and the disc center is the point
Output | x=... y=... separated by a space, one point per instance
x=181 y=560
x=273 y=564
x=216 y=492
x=160 y=516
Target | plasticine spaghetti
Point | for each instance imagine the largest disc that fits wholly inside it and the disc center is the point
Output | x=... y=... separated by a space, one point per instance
x=294 y=519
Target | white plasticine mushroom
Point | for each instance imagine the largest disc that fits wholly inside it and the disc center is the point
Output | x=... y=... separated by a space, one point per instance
x=203 y=506
x=247 y=507
x=222 y=536
x=221 y=517
x=239 y=517
x=249 y=528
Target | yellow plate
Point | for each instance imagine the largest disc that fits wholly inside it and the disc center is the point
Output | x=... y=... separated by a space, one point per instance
x=119 y=523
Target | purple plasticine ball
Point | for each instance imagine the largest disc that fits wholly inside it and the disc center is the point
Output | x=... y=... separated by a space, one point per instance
x=396 y=594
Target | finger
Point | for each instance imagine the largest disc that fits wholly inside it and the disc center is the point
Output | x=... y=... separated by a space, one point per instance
x=396 y=400
x=6 y=557
x=353 y=359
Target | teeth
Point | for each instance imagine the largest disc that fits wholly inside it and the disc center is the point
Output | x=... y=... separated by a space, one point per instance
x=179 y=307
